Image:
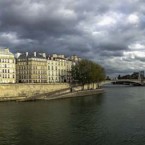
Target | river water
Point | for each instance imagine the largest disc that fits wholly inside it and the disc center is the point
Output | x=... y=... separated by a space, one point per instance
x=116 y=117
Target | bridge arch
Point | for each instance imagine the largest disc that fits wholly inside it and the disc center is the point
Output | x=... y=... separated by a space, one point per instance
x=124 y=82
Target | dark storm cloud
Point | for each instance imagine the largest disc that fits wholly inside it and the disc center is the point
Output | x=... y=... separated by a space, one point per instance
x=111 y=53
x=35 y=20
x=106 y=31
x=113 y=46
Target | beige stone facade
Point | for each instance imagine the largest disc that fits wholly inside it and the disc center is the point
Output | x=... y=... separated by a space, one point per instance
x=59 y=68
x=31 y=68
x=39 y=68
x=7 y=66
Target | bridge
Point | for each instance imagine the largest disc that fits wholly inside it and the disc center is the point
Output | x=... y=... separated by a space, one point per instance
x=133 y=82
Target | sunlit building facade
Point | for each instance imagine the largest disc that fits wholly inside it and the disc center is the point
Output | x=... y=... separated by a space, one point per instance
x=7 y=66
x=39 y=68
x=59 y=69
x=31 y=68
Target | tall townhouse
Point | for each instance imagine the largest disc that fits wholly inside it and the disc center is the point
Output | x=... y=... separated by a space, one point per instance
x=7 y=66
x=31 y=68
x=53 y=66
x=59 y=69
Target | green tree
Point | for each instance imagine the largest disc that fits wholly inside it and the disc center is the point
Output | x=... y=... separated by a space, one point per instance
x=86 y=72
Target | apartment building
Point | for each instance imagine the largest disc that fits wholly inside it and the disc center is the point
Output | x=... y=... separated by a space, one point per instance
x=31 y=68
x=39 y=68
x=59 y=69
x=7 y=66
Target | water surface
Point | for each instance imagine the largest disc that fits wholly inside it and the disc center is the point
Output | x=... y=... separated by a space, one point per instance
x=116 y=117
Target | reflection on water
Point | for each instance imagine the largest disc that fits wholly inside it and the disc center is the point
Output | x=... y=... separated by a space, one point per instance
x=113 y=118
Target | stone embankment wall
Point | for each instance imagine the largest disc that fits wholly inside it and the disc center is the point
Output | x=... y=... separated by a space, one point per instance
x=79 y=93
x=13 y=91
x=86 y=87
x=35 y=91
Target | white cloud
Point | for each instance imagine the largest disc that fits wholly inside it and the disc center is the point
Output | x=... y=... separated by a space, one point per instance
x=133 y=19
x=107 y=21
x=68 y=13
x=136 y=46
x=134 y=54
x=110 y=18
x=10 y=37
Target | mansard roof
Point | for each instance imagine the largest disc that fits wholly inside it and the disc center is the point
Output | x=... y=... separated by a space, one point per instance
x=31 y=55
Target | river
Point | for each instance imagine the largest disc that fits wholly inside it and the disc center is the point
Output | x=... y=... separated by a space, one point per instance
x=116 y=117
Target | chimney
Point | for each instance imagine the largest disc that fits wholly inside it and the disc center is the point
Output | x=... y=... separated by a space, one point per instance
x=44 y=55
x=26 y=54
x=35 y=54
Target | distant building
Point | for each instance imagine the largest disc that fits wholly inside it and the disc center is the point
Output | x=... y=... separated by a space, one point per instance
x=7 y=66
x=31 y=68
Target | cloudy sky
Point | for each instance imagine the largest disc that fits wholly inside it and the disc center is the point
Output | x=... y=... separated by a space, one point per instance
x=110 y=32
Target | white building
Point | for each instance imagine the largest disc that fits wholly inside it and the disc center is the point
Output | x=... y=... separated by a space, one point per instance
x=31 y=68
x=54 y=69
x=7 y=66
x=59 y=68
